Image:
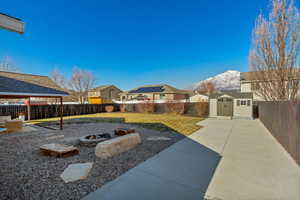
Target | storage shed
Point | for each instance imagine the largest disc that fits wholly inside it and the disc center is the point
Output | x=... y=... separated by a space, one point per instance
x=231 y=105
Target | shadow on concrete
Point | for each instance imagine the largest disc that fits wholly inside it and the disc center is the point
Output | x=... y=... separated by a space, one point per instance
x=182 y=171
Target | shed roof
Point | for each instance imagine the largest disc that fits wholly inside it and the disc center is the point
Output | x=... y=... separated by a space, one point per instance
x=26 y=85
x=236 y=95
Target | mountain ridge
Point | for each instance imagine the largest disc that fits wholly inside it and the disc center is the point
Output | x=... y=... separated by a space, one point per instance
x=228 y=80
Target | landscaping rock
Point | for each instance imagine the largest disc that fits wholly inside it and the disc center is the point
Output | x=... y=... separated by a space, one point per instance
x=124 y=131
x=117 y=145
x=93 y=140
x=59 y=150
x=28 y=175
x=157 y=138
x=76 y=172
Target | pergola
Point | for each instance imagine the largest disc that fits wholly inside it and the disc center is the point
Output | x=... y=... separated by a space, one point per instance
x=26 y=86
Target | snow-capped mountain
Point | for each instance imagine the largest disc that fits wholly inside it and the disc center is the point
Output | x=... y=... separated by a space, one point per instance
x=229 y=80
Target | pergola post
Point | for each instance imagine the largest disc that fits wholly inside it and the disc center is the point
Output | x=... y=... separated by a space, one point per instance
x=28 y=110
x=61 y=113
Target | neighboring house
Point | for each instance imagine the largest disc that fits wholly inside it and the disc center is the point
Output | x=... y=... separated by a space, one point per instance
x=231 y=105
x=103 y=94
x=155 y=92
x=199 y=98
x=250 y=82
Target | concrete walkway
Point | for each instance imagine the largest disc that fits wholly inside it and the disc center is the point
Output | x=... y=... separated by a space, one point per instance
x=253 y=166
x=182 y=171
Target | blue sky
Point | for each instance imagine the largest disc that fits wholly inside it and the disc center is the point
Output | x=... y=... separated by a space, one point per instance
x=132 y=42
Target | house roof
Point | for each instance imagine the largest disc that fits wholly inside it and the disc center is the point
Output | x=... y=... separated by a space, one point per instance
x=236 y=95
x=272 y=74
x=102 y=87
x=17 y=84
x=161 y=88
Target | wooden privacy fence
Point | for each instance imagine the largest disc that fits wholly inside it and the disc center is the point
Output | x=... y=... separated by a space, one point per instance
x=196 y=109
x=282 y=119
x=48 y=111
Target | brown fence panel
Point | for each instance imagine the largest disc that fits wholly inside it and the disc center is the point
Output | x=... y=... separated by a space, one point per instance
x=12 y=110
x=196 y=109
x=48 y=111
x=282 y=119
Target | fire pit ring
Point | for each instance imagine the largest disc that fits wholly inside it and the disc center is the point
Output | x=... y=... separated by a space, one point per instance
x=93 y=140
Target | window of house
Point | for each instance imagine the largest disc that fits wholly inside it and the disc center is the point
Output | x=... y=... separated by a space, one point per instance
x=238 y=102
x=248 y=102
x=162 y=96
x=243 y=102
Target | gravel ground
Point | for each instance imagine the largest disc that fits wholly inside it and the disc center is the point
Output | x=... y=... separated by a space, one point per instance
x=27 y=174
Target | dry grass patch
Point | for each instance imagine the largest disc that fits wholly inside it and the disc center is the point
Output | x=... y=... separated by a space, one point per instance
x=185 y=125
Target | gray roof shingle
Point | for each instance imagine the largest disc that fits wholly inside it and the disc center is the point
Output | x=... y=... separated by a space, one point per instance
x=18 y=84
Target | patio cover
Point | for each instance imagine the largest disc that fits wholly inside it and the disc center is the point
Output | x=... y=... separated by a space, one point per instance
x=17 y=85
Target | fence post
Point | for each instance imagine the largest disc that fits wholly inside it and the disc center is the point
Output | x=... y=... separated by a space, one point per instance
x=61 y=113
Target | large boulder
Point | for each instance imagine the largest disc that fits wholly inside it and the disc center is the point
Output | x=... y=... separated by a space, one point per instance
x=117 y=145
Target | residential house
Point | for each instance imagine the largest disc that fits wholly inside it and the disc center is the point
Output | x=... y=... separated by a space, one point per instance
x=162 y=92
x=252 y=81
x=104 y=94
x=199 y=98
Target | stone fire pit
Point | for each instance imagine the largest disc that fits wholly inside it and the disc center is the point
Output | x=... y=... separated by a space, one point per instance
x=93 y=140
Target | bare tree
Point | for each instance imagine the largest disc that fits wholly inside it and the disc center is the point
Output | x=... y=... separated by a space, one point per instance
x=58 y=78
x=7 y=64
x=206 y=88
x=274 y=56
x=81 y=82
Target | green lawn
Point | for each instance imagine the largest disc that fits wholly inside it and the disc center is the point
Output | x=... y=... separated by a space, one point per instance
x=185 y=125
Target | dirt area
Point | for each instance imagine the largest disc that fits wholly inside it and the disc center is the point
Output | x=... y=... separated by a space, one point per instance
x=27 y=174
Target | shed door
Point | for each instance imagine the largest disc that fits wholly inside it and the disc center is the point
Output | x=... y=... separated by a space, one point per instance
x=225 y=107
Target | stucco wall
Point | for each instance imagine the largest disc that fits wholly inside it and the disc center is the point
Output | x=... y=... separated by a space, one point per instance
x=110 y=93
x=243 y=111
x=212 y=107
x=246 y=87
x=107 y=93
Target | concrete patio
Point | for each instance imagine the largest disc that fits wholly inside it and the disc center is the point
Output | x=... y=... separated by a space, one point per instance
x=253 y=166
x=183 y=171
